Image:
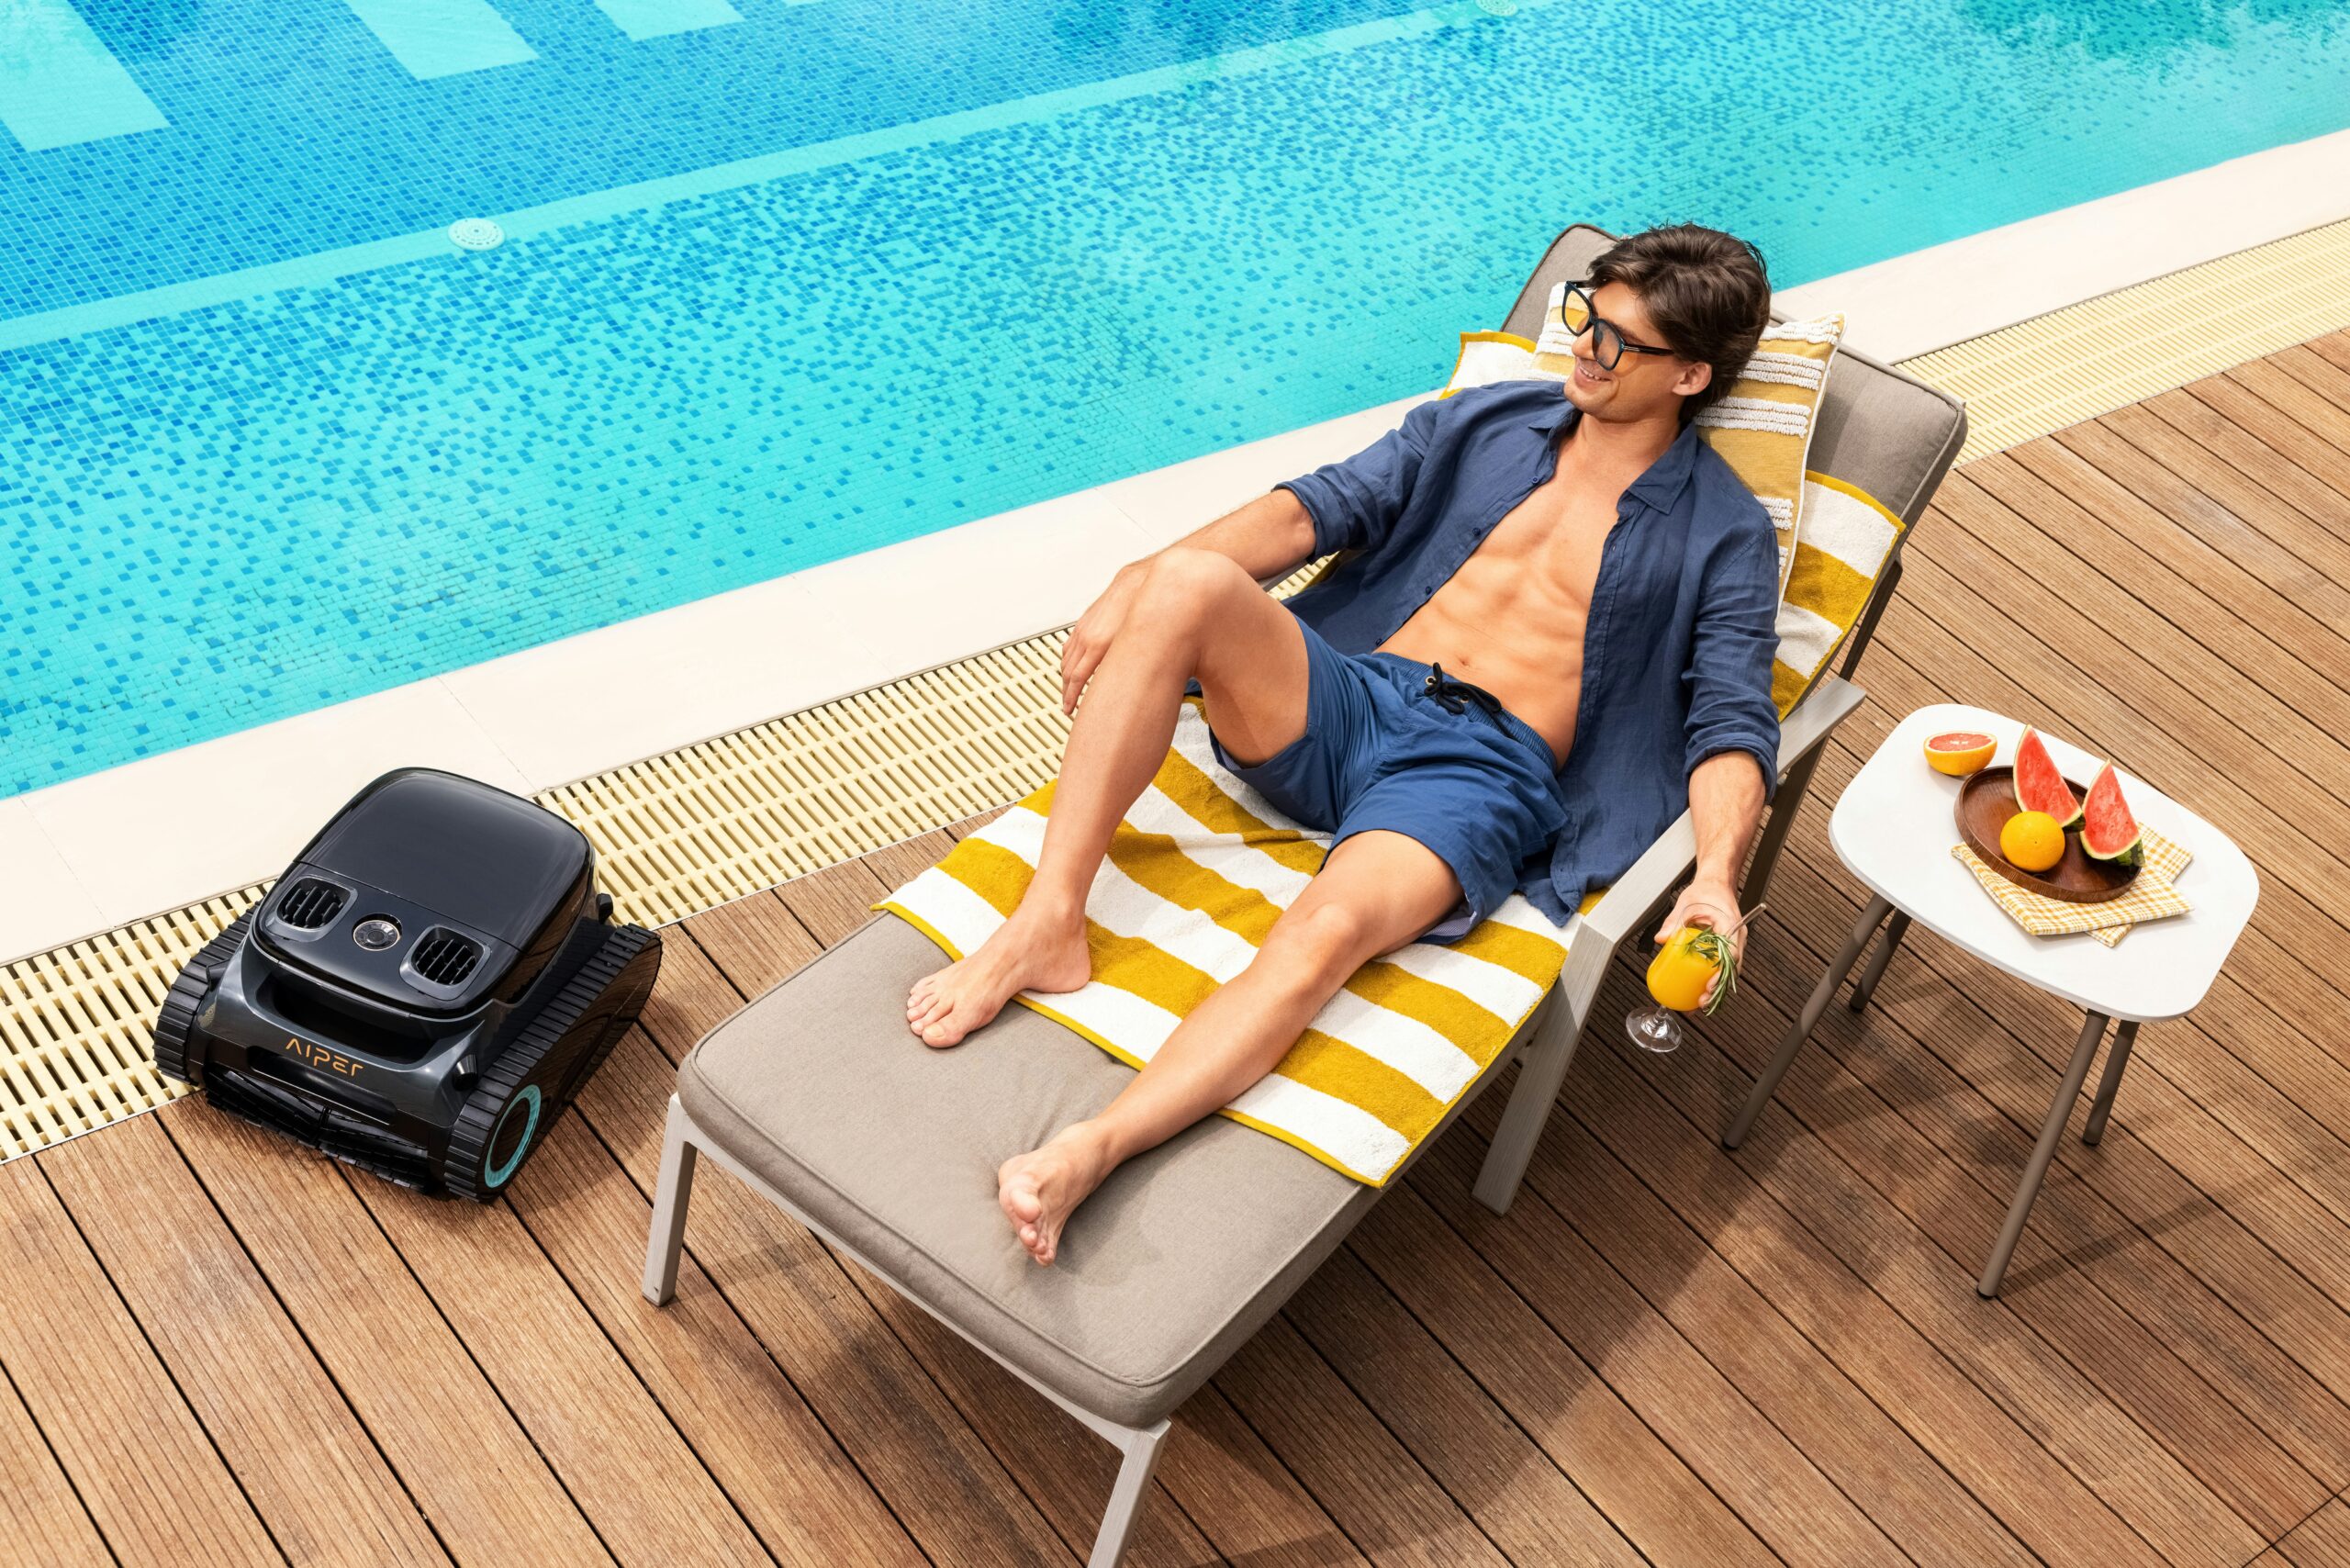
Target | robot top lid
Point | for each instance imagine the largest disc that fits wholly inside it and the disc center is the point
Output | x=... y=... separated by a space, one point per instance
x=465 y=850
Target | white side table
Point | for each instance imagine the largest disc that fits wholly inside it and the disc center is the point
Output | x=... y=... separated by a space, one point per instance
x=1894 y=829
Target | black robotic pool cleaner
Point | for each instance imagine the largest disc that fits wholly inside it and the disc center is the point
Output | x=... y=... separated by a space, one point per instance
x=422 y=993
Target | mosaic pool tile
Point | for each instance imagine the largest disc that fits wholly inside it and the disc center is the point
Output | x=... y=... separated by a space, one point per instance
x=225 y=514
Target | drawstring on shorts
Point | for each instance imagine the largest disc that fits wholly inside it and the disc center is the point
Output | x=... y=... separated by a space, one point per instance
x=1442 y=688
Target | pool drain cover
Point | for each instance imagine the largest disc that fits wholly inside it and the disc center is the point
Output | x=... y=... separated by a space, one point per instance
x=476 y=234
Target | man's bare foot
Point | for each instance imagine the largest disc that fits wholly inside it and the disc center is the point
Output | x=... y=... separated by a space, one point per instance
x=1028 y=952
x=1041 y=1189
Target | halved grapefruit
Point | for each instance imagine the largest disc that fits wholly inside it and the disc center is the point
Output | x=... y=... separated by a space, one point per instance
x=2108 y=830
x=2040 y=787
x=1960 y=753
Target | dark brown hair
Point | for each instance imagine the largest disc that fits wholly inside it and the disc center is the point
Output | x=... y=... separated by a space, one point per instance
x=1705 y=290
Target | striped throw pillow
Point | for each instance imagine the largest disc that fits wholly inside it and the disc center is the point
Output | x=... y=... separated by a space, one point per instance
x=1488 y=357
x=1847 y=536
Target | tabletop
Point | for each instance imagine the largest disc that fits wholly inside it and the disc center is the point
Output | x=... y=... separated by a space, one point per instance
x=1896 y=825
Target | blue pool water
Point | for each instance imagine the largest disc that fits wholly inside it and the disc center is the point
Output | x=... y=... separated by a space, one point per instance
x=790 y=281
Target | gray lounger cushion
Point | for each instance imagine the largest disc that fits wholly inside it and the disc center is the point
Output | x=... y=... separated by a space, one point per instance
x=892 y=1148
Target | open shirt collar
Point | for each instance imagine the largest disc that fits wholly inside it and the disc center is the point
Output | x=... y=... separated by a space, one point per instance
x=1660 y=486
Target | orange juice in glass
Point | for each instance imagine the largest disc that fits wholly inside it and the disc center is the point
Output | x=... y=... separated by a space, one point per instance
x=1678 y=976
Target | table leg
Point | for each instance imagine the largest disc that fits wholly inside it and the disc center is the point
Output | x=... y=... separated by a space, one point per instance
x=2117 y=1061
x=1822 y=994
x=1877 y=961
x=2035 y=1169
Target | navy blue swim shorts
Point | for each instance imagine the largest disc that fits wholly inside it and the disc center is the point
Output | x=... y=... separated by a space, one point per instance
x=1480 y=788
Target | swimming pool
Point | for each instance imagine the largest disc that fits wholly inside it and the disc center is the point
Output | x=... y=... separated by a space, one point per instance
x=785 y=282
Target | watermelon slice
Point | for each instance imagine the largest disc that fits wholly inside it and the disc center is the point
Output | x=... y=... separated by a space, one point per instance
x=2108 y=830
x=2040 y=786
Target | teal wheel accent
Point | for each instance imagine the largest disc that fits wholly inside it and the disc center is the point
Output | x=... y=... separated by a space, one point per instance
x=494 y=1176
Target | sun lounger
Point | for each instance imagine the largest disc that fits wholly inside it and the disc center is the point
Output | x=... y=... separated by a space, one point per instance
x=818 y=1096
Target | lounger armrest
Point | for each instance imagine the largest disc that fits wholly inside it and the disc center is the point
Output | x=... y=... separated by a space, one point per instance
x=1652 y=876
x=1815 y=719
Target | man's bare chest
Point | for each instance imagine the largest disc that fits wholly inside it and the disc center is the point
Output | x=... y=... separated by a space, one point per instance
x=1549 y=547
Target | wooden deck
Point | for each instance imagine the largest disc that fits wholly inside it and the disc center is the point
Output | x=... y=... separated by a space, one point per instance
x=220 y=1350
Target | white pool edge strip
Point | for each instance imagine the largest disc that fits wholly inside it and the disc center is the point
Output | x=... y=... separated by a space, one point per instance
x=113 y=847
x=1946 y=294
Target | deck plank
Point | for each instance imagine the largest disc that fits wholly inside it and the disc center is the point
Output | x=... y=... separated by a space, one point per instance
x=2081 y=1424
x=2054 y=1512
x=638 y=1483
x=1642 y=1110
x=2152 y=458
x=139 y=1461
x=2199 y=428
x=41 y=1517
x=2106 y=574
x=470 y=1466
x=2321 y=462
x=2212 y=1240
x=1831 y=1418
x=1642 y=1487
x=1525 y=1504
x=1741 y=1454
x=2320 y=1541
x=2189 y=1317
x=1367 y=1481
x=2208 y=516
x=2291 y=776
x=740 y=1410
x=258 y=1389
x=2049 y=483
x=2130 y=1367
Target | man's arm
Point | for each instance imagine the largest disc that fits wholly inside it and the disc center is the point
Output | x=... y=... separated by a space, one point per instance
x=1270 y=537
x=1725 y=807
x=1733 y=743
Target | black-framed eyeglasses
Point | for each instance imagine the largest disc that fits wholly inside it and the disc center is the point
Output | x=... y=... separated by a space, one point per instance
x=1609 y=343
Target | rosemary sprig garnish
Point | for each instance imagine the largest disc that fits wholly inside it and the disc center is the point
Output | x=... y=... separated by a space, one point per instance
x=1714 y=946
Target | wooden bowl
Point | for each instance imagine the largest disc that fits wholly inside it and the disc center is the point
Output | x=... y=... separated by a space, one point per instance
x=1987 y=799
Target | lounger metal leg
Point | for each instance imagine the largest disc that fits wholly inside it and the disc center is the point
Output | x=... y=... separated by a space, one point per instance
x=2117 y=1061
x=2036 y=1169
x=1126 y=1496
x=1791 y=791
x=1541 y=1068
x=1821 y=995
x=1874 y=971
x=668 y=1235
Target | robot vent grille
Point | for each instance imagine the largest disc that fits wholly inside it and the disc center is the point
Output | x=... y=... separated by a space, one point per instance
x=443 y=956
x=311 y=904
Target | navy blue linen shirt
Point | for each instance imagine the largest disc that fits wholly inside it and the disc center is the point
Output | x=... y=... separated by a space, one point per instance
x=1677 y=651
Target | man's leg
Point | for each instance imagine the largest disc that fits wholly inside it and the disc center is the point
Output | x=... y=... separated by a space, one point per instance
x=1376 y=891
x=1199 y=616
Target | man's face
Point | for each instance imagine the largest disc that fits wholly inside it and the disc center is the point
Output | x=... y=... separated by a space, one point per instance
x=1642 y=385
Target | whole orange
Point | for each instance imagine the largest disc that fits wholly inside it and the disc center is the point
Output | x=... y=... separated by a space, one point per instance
x=2031 y=841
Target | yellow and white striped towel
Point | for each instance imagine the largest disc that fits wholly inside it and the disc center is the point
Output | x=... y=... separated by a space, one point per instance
x=1196 y=875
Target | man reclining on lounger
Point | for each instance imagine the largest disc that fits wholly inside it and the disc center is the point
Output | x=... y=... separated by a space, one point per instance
x=1602 y=575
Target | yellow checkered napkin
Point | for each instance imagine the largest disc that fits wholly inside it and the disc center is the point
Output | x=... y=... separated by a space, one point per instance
x=2152 y=897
